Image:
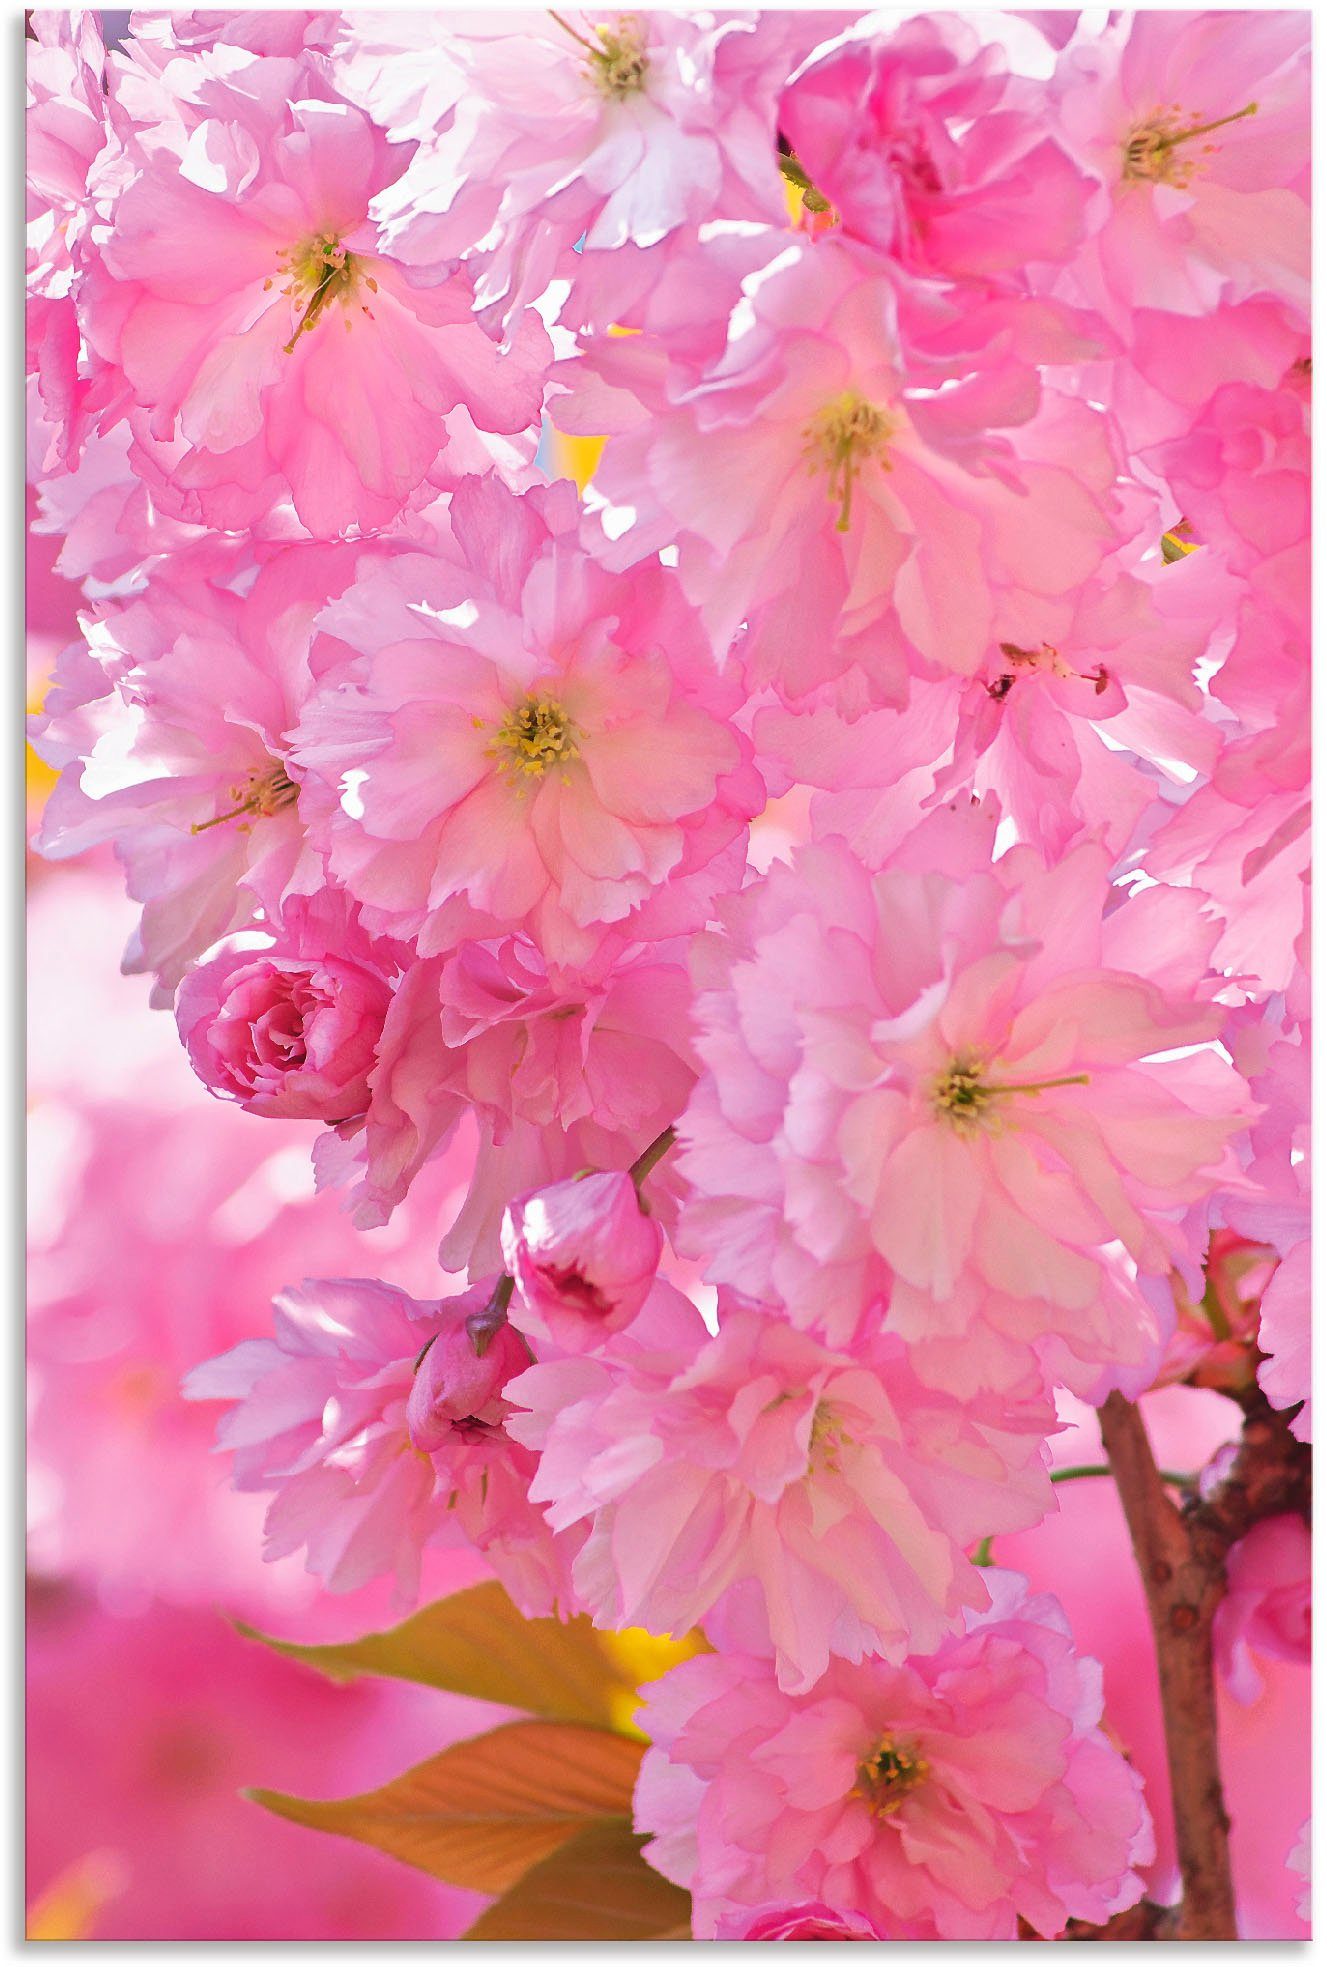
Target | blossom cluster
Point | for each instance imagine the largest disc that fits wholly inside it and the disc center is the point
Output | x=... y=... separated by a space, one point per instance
x=829 y=891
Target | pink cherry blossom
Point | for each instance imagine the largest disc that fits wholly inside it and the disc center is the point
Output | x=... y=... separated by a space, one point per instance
x=947 y=1797
x=1194 y=123
x=584 y=1254
x=1266 y=1607
x=815 y=493
x=556 y=1070
x=305 y=367
x=547 y=746
x=799 y=1922
x=831 y=1486
x=324 y=1417
x=609 y=135
x=969 y=1091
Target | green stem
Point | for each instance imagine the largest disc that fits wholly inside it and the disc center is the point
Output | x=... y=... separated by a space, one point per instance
x=645 y=1163
x=483 y=1326
x=1080 y=1469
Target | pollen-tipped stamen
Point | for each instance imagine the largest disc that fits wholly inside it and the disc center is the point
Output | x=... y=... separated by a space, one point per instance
x=847 y=434
x=264 y=792
x=889 y=1775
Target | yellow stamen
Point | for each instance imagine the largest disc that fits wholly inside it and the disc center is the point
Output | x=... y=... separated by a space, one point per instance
x=840 y=439
x=962 y=1094
x=1152 y=150
x=889 y=1775
x=618 y=63
x=322 y=269
x=265 y=791
x=536 y=735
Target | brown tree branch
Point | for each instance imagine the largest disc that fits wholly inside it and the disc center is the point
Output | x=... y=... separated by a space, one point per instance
x=1184 y=1582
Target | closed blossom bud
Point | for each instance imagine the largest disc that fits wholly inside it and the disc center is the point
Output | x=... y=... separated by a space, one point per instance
x=284 y=1036
x=584 y=1255
x=456 y=1386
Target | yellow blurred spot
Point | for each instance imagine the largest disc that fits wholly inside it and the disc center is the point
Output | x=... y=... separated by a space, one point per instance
x=68 y=1908
x=642 y=1656
x=577 y=457
x=38 y=776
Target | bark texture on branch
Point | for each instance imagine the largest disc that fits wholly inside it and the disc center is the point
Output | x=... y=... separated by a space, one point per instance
x=1181 y=1556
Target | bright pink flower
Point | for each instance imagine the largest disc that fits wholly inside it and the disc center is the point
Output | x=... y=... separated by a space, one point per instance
x=291 y=1030
x=301 y=366
x=948 y=1796
x=584 y=1254
x=952 y=1066
x=1267 y=1604
x=531 y=737
x=815 y=492
x=831 y=1488
x=324 y=1418
x=800 y=1922
x=928 y=151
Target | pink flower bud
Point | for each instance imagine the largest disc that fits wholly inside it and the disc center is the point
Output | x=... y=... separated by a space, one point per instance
x=454 y=1385
x=802 y=1922
x=285 y=1036
x=584 y=1255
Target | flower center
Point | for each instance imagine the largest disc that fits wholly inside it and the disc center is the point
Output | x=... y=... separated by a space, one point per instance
x=261 y=793
x=840 y=439
x=889 y=1775
x=317 y=272
x=534 y=736
x=618 y=63
x=1043 y=661
x=829 y=1435
x=963 y=1096
x=1154 y=149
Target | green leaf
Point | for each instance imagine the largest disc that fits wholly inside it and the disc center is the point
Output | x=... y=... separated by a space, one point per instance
x=484 y=1811
x=596 y=1887
x=477 y=1643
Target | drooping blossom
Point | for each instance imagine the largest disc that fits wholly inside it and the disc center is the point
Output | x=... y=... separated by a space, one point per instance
x=368 y=1465
x=948 y=1797
x=555 y=1071
x=831 y=1489
x=584 y=1255
x=533 y=739
x=306 y=369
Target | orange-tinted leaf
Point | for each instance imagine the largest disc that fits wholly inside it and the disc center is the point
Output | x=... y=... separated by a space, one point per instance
x=486 y=1810
x=596 y=1887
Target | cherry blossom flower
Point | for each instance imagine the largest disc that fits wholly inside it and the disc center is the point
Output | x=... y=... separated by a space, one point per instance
x=816 y=494
x=969 y=1091
x=291 y=1030
x=831 y=1486
x=548 y=746
x=1266 y=1607
x=947 y=1797
x=367 y=1469
x=305 y=367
